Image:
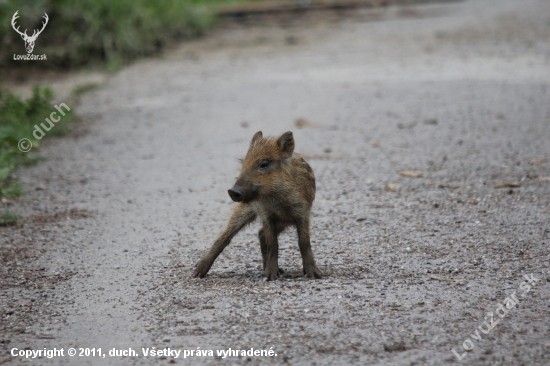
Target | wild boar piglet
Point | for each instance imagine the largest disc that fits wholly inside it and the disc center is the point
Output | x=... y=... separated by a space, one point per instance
x=278 y=187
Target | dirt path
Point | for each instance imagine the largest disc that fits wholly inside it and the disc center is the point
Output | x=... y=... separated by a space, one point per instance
x=457 y=92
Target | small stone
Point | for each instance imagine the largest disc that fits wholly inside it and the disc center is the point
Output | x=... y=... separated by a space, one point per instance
x=302 y=123
x=291 y=40
x=394 y=347
x=390 y=187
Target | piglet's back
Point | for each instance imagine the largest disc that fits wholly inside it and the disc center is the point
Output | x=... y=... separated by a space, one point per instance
x=303 y=175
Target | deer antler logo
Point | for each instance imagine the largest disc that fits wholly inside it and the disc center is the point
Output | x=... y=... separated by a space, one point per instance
x=29 y=41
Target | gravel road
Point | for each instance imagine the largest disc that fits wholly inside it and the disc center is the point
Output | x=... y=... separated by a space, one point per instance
x=412 y=265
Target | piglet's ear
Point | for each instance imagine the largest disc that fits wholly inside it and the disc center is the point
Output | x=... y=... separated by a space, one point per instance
x=286 y=144
x=257 y=136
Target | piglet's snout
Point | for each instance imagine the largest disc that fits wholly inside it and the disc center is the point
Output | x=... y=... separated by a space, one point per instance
x=236 y=193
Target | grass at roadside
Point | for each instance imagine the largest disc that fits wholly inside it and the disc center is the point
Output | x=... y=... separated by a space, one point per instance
x=112 y=32
x=17 y=121
x=8 y=218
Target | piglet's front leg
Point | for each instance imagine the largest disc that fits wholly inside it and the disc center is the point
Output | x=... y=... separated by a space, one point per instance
x=241 y=216
x=271 y=267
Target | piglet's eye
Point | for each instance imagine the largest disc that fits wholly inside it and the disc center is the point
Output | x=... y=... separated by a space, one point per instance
x=264 y=164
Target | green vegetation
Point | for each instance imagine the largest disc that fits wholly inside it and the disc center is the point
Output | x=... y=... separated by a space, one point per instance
x=9 y=219
x=10 y=189
x=17 y=121
x=85 y=32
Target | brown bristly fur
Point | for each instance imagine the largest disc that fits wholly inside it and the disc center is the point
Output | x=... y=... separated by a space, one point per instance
x=278 y=187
